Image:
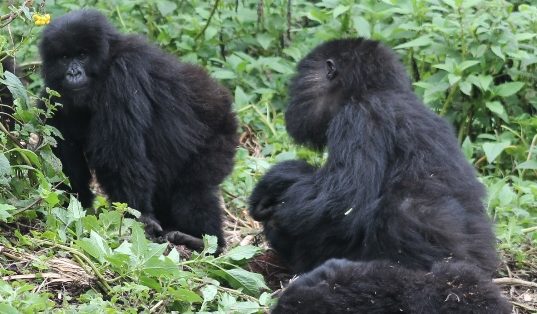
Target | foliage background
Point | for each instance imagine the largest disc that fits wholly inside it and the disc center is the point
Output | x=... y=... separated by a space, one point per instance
x=473 y=62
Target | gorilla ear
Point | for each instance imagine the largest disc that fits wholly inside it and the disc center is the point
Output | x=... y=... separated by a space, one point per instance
x=331 y=70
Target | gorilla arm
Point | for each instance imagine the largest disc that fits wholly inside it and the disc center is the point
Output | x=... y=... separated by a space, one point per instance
x=358 y=152
x=124 y=169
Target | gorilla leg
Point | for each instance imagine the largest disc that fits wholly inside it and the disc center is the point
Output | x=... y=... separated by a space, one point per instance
x=76 y=169
x=196 y=211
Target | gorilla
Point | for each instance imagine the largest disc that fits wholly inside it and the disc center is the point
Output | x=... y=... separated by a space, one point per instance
x=395 y=186
x=160 y=135
x=342 y=286
x=6 y=98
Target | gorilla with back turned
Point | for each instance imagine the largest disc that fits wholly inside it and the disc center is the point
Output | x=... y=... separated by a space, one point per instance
x=159 y=134
x=395 y=187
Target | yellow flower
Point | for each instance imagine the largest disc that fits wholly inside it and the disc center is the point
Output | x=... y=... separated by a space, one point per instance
x=41 y=20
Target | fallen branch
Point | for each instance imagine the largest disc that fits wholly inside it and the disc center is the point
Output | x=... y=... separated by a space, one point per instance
x=514 y=282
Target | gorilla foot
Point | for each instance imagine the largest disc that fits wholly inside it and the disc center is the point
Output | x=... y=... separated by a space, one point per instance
x=152 y=227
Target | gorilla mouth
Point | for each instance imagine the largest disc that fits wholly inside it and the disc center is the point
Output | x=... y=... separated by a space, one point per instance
x=76 y=87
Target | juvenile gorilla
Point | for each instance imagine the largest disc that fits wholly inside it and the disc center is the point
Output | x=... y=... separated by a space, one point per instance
x=395 y=185
x=159 y=134
x=342 y=286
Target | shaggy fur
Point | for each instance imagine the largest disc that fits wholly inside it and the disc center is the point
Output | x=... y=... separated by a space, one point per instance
x=342 y=286
x=395 y=185
x=159 y=134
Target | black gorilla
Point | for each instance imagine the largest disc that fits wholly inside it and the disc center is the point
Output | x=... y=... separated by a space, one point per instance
x=342 y=286
x=6 y=98
x=159 y=134
x=394 y=187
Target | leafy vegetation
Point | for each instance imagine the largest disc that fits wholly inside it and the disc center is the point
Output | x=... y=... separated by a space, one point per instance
x=473 y=61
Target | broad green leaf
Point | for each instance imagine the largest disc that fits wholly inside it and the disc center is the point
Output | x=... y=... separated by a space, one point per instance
x=340 y=9
x=241 y=99
x=139 y=242
x=221 y=74
x=362 y=27
x=421 y=41
x=8 y=309
x=466 y=87
x=6 y=211
x=185 y=295
x=264 y=40
x=466 y=64
x=493 y=150
x=453 y=79
x=5 y=167
x=16 y=88
x=209 y=292
x=508 y=89
x=498 y=52
x=497 y=108
x=242 y=252
x=528 y=164
x=468 y=148
x=166 y=7
x=75 y=209
x=251 y=282
x=210 y=244
x=525 y=36
x=161 y=268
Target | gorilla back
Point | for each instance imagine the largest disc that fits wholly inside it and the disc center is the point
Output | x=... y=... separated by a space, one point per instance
x=159 y=134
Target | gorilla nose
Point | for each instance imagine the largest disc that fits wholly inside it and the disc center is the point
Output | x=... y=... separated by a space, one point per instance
x=74 y=72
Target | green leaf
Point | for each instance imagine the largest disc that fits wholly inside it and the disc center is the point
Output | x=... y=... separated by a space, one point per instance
x=468 y=148
x=528 y=164
x=8 y=309
x=497 y=108
x=6 y=211
x=251 y=282
x=161 y=268
x=421 y=41
x=210 y=244
x=209 y=292
x=166 y=7
x=508 y=89
x=221 y=74
x=241 y=99
x=5 y=167
x=493 y=150
x=242 y=252
x=139 y=242
x=466 y=64
x=185 y=295
x=453 y=79
x=340 y=9
x=466 y=87
x=264 y=40
x=362 y=27
x=16 y=88
x=498 y=52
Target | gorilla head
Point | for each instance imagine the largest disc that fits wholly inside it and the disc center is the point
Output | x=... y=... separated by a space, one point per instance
x=329 y=76
x=75 y=63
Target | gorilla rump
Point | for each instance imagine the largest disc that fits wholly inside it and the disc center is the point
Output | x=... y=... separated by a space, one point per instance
x=395 y=185
x=342 y=286
x=159 y=134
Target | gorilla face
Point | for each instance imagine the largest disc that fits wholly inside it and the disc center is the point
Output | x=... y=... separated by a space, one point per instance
x=75 y=51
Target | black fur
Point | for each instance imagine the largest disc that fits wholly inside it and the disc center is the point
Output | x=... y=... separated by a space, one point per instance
x=6 y=98
x=342 y=286
x=395 y=185
x=159 y=134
